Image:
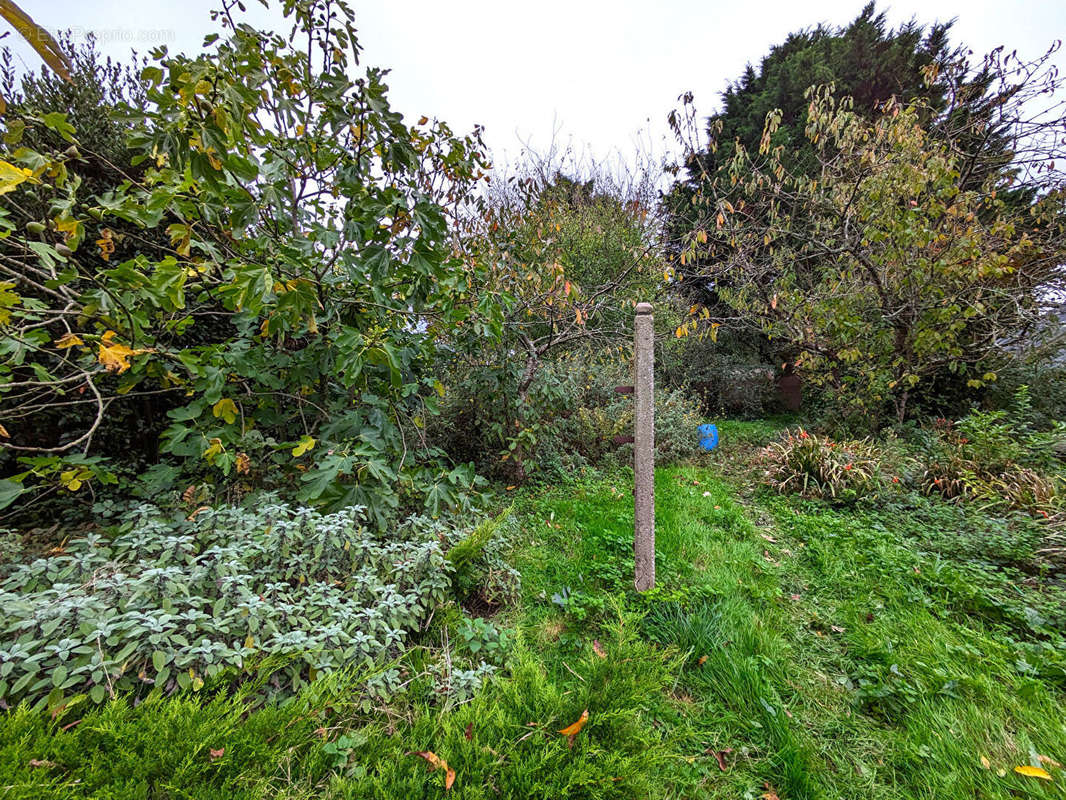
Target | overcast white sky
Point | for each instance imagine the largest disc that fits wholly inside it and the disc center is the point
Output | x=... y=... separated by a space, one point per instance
x=604 y=73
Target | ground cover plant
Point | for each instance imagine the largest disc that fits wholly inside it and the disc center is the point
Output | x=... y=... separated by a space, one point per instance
x=170 y=603
x=792 y=647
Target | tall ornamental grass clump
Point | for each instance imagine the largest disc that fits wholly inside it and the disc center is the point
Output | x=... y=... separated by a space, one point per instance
x=817 y=466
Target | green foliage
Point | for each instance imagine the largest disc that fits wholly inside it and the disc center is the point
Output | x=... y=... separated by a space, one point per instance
x=572 y=414
x=998 y=460
x=566 y=260
x=273 y=281
x=173 y=604
x=466 y=551
x=481 y=571
x=482 y=639
x=816 y=466
x=906 y=256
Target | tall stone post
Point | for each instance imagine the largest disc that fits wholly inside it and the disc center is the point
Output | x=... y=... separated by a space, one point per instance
x=644 y=449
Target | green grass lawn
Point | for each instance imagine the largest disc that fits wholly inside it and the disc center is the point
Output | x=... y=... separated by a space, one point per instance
x=790 y=649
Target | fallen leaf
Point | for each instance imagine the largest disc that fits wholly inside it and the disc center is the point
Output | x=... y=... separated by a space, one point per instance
x=217 y=754
x=769 y=794
x=433 y=761
x=701 y=661
x=38 y=763
x=469 y=732
x=720 y=756
x=836 y=629
x=1033 y=772
x=597 y=649
x=768 y=537
x=571 y=731
x=985 y=762
x=1049 y=761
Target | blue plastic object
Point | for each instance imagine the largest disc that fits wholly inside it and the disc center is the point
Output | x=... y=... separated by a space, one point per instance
x=708 y=436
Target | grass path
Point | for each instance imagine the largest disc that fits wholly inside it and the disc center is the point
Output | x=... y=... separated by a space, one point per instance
x=788 y=651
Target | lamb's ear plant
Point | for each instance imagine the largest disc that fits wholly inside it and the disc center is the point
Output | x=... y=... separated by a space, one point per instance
x=273 y=594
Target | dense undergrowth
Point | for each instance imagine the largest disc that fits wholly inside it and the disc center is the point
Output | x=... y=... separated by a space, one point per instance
x=792 y=648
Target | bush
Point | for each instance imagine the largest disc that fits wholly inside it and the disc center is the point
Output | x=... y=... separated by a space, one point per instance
x=996 y=458
x=572 y=418
x=816 y=466
x=171 y=603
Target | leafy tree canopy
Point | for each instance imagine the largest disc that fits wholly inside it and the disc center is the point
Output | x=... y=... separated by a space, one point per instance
x=277 y=257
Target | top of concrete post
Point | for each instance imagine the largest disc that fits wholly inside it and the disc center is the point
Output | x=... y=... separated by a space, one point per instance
x=643 y=308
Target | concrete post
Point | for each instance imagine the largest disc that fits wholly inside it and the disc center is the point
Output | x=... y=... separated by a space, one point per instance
x=644 y=450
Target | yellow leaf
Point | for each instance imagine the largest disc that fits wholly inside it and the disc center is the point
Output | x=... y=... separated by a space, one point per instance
x=213 y=450
x=106 y=244
x=73 y=479
x=986 y=763
x=226 y=409
x=68 y=340
x=11 y=176
x=244 y=463
x=305 y=444
x=4 y=433
x=115 y=355
x=70 y=228
x=249 y=642
x=1033 y=772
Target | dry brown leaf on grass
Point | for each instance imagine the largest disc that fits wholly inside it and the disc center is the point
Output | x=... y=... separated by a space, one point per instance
x=469 y=732
x=720 y=756
x=769 y=794
x=597 y=649
x=433 y=762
